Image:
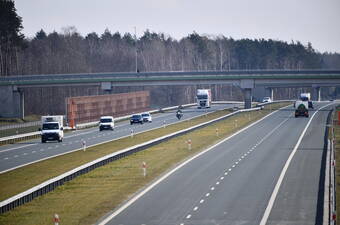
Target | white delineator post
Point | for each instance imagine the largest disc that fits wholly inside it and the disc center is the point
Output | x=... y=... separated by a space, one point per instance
x=131 y=133
x=189 y=144
x=164 y=124
x=217 y=134
x=144 y=168
x=56 y=219
x=84 y=145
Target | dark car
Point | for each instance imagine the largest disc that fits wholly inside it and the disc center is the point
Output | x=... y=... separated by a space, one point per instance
x=136 y=118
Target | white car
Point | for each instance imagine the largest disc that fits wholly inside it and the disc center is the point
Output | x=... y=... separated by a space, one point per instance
x=147 y=117
x=266 y=99
x=106 y=123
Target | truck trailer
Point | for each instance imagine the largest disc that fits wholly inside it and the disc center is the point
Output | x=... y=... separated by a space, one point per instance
x=301 y=108
x=52 y=128
x=203 y=98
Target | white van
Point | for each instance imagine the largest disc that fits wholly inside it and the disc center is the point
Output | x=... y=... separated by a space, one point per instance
x=52 y=128
x=106 y=123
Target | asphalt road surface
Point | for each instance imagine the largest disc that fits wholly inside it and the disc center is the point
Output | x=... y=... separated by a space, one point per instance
x=233 y=182
x=16 y=155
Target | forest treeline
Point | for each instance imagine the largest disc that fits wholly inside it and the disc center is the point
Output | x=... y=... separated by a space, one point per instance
x=70 y=52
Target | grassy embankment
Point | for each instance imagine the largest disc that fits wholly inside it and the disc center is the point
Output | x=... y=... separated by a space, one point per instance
x=87 y=198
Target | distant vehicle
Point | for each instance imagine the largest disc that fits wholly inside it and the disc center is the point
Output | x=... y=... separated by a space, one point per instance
x=203 y=98
x=52 y=128
x=106 y=123
x=266 y=99
x=147 y=117
x=306 y=97
x=136 y=118
x=301 y=108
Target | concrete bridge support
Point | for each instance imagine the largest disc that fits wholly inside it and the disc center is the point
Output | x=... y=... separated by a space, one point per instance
x=270 y=93
x=247 y=92
x=316 y=95
x=247 y=86
x=11 y=102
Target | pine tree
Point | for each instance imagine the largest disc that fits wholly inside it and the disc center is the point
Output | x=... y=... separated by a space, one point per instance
x=11 y=40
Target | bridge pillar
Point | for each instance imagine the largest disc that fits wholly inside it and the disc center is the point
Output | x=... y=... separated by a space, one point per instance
x=247 y=97
x=247 y=85
x=11 y=102
x=316 y=95
x=270 y=93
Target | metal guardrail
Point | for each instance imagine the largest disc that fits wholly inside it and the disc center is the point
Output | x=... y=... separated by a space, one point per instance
x=123 y=76
x=331 y=174
x=51 y=184
x=19 y=137
x=20 y=125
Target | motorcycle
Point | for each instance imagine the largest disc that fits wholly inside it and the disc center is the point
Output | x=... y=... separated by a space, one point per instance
x=179 y=115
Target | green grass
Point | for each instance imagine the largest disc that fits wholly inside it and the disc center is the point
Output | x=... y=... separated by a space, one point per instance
x=87 y=198
x=30 y=118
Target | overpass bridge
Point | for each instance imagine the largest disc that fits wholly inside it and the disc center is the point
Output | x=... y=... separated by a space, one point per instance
x=12 y=95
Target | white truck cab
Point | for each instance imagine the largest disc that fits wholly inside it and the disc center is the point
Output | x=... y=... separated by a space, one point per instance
x=106 y=123
x=203 y=98
x=52 y=128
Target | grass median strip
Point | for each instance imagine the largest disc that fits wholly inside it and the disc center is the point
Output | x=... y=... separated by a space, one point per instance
x=87 y=198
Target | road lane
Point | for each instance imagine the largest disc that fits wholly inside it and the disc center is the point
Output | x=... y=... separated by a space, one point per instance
x=300 y=198
x=231 y=184
x=12 y=156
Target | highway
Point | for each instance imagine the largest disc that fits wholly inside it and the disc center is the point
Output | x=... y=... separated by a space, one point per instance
x=233 y=182
x=16 y=155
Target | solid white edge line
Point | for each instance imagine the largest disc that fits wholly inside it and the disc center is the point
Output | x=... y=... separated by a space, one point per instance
x=284 y=170
x=139 y=195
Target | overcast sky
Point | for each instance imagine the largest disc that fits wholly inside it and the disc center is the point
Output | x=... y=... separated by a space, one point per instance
x=315 y=21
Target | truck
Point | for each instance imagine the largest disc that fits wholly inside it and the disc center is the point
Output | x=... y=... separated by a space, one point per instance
x=203 y=98
x=306 y=97
x=52 y=128
x=301 y=108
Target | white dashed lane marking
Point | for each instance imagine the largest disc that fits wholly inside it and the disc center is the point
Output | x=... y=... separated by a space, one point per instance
x=202 y=200
x=195 y=209
x=188 y=216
